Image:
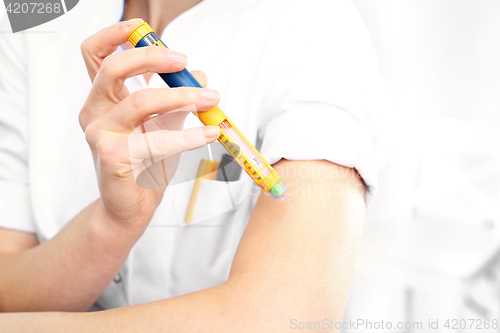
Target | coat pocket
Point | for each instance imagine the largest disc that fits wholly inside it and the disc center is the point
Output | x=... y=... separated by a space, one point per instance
x=202 y=251
x=214 y=198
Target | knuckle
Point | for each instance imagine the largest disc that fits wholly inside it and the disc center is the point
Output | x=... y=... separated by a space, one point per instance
x=179 y=142
x=84 y=46
x=92 y=134
x=107 y=67
x=161 y=141
x=85 y=116
x=106 y=147
x=186 y=139
x=83 y=119
x=174 y=142
x=138 y=100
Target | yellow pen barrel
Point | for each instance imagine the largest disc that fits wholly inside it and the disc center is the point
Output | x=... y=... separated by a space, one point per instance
x=244 y=152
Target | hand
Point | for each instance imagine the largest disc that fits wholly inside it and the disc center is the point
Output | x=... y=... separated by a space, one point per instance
x=115 y=121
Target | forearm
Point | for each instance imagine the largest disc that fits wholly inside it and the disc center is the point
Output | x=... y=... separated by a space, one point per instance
x=68 y=272
x=208 y=310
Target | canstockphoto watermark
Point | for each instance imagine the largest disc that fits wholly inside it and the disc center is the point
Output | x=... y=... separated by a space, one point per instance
x=358 y=324
x=369 y=325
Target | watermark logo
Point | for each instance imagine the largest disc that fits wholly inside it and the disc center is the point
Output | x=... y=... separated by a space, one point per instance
x=25 y=14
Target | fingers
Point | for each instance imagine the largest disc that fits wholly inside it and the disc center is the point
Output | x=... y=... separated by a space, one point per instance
x=158 y=145
x=105 y=42
x=144 y=103
x=116 y=68
x=200 y=77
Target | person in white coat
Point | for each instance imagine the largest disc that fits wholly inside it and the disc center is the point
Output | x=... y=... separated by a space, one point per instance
x=299 y=79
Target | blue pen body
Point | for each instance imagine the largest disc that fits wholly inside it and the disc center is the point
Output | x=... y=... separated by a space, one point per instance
x=173 y=80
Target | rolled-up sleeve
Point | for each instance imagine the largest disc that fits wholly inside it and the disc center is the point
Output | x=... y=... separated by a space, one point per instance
x=328 y=100
x=15 y=206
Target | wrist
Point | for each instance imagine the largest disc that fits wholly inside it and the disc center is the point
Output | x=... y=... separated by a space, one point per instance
x=110 y=233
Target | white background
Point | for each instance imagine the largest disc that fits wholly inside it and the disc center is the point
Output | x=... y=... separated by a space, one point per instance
x=431 y=239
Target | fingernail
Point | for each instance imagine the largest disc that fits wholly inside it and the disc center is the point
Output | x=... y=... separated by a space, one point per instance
x=134 y=22
x=211 y=132
x=210 y=94
x=177 y=57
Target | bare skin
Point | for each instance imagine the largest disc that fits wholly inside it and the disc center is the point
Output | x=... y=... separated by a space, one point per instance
x=294 y=261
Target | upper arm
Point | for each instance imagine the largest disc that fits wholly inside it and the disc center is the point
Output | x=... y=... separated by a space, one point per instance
x=298 y=259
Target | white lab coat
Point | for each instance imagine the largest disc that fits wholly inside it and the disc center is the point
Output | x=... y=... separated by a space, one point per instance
x=300 y=81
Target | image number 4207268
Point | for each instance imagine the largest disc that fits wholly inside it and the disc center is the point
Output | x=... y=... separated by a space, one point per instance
x=31 y=13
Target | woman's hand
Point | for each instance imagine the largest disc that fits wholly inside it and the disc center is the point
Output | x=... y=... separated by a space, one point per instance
x=117 y=124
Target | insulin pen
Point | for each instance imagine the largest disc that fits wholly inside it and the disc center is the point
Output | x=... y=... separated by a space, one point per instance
x=230 y=137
